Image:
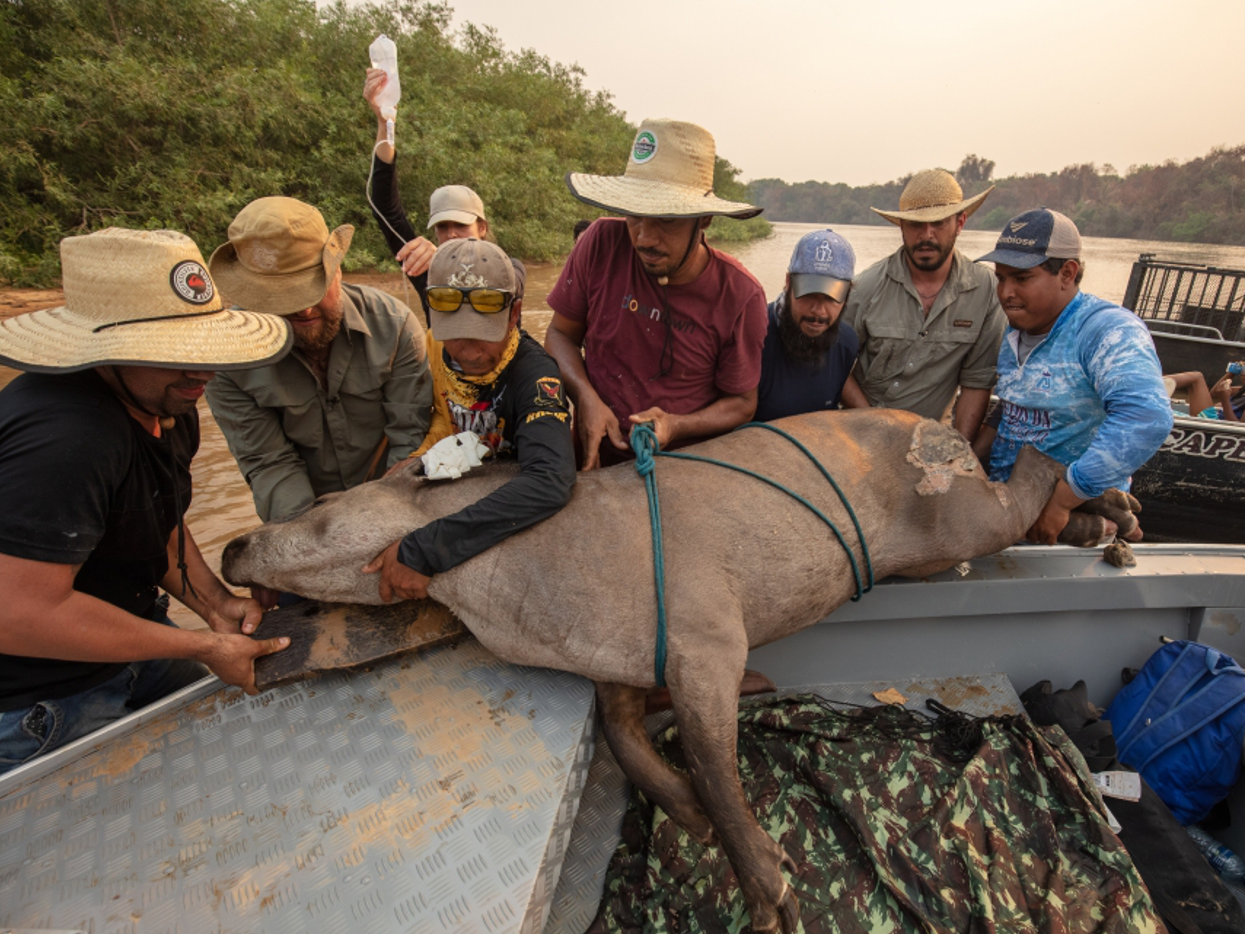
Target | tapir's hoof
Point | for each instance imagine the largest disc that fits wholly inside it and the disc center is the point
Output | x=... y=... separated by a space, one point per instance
x=1118 y=499
x=1119 y=555
x=1083 y=530
x=789 y=910
x=784 y=917
x=1115 y=506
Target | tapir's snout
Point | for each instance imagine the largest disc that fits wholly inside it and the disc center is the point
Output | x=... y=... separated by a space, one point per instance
x=232 y=561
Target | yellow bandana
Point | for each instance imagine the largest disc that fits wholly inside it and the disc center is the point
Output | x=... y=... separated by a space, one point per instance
x=463 y=390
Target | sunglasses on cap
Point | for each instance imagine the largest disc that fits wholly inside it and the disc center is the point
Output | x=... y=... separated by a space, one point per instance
x=834 y=289
x=448 y=298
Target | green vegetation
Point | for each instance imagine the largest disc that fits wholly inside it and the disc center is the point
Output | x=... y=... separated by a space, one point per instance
x=177 y=113
x=726 y=184
x=1202 y=200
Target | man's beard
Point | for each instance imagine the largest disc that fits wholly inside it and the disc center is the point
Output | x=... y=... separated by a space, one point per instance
x=798 y=345
x=925 y=264
x=322 y=336
x=172 y=405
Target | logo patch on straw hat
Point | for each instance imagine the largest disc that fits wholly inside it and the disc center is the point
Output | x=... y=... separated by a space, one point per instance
x=191 y=281
x=644 y=148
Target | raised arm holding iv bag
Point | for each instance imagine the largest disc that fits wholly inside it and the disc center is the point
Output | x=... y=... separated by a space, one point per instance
x=385 y=57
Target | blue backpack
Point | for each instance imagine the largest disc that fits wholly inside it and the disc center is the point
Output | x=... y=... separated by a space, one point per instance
x=1180 y=723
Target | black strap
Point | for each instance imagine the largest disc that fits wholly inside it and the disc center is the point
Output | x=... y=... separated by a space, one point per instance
x=117 y=324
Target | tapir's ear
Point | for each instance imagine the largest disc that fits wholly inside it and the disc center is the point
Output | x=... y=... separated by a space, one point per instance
x=411 y=469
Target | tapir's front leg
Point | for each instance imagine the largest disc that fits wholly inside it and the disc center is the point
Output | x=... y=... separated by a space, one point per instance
x=704 y=685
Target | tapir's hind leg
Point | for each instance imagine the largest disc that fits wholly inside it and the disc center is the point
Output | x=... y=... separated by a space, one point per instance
x=705 y=688
x=622 y=718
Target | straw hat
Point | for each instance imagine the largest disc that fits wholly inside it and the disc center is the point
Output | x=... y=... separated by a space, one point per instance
x=139 y=297
x=669 y=174
x=280 y=257
x=931 y=196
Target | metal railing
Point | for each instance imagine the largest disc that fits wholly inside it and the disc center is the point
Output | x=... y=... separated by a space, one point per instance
x=1190 y=296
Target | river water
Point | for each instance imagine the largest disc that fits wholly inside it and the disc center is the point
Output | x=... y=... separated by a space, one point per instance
x=222 y=506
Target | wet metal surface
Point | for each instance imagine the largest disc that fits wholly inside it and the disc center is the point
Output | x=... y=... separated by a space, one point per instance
x=431 y=793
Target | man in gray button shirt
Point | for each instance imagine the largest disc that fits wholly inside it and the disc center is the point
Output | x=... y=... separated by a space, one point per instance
x=355 y=395
x=928 y=318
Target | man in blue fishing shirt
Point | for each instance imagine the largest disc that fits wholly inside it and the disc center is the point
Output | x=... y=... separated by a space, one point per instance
x=1079 y=378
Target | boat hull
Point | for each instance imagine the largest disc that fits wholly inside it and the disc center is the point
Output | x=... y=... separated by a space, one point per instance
x=1191 y=489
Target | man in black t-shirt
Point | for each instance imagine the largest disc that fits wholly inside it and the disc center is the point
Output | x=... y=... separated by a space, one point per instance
x=95 y=449
x=492 y=379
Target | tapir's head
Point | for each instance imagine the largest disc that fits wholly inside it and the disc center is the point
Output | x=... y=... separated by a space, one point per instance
x=320 y=553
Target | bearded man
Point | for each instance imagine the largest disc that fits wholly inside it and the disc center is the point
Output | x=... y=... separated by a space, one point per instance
x=352 y=399
x=807 y=360
x=651 y=325
x=928 y=318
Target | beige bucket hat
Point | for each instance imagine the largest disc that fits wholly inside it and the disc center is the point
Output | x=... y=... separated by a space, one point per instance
x=280 y=256
x=144 y=298
x=669 y=174
x=931 y=196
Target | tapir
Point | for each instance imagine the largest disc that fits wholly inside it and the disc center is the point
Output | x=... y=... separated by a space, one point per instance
x=745 y=564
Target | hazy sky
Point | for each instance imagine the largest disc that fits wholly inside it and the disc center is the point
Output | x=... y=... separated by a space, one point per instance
x=865 y=91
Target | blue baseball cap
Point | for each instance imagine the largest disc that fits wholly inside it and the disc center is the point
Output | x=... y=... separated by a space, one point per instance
x=1031 y=238
x=822 y=261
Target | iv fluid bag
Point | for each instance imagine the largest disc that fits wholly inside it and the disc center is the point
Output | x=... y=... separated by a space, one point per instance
x=385 y=56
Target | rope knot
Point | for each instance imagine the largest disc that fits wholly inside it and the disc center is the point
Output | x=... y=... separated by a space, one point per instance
x=644 y=444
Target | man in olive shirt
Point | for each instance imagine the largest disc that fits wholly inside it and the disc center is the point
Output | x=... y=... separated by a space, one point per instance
x=354 y=397
x=928 y=318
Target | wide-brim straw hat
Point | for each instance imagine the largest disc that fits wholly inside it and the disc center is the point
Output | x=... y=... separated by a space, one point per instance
x=669 y=174
x=280 y=256
x=931 y=196
x=141 y=298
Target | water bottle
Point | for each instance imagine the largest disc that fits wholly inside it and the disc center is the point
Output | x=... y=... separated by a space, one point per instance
x=1224 y=861
x=1235 y=368
x=385 y=57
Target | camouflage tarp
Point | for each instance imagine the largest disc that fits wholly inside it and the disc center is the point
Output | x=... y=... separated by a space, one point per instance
x=891 y=833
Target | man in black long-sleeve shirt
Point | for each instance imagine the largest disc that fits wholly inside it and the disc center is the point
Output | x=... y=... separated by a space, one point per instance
x=455 y=211
x=490 y=378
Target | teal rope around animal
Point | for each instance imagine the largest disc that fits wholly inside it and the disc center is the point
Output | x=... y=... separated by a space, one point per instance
x=644 y=443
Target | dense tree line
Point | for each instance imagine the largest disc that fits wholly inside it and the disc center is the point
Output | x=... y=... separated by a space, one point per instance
x=1202 y=200
x=176 y=113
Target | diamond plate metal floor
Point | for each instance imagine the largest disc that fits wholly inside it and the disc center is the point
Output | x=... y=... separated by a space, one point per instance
x=431 y=793
x=597 y=826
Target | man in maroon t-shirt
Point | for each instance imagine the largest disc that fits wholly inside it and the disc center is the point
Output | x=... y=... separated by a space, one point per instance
x=650 y=323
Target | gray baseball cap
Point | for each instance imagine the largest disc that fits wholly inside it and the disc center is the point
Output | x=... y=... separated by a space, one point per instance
x=1031 y=238
x=465 y=265
x=822 y=263
x=456 y=203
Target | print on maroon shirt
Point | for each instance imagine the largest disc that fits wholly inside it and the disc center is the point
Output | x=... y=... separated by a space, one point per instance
x=717 y=323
